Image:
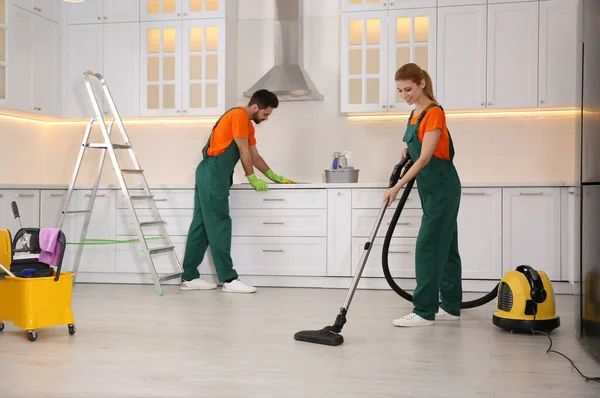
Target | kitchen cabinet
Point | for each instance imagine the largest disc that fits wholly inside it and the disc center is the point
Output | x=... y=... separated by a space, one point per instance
x=3 y=46
x=28 y=202
x=512 y=55
x=34 y=53
x=339 y=232
x=461 y=57
x=48 y=9
x=531 y=230
x=113 y=51
x=374 y=45
x=480 y=233
x=378 y=5
x=567 y=235
x=558 y=53
x=171 y=10
x=452 y=3
x=102 y=11
x=182 y=68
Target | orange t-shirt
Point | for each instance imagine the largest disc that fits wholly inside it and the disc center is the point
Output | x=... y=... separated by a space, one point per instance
x=435 y=118
x=234 y=124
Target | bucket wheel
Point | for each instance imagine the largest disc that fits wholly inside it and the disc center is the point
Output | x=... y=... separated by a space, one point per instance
x=1 y=326
x=32 y=335
x=72 y=329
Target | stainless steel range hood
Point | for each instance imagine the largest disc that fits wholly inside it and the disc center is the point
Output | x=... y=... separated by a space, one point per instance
x=287 y=78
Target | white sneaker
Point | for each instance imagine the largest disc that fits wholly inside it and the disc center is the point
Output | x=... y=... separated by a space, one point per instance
x=444 y=316
x=237 y=286
x=411 y=320
x=197 y=284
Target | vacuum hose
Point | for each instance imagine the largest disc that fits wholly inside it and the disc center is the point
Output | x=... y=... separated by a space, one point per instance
x=388 y=237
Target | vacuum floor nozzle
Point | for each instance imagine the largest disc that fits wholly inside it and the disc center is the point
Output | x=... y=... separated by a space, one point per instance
x=325 y=336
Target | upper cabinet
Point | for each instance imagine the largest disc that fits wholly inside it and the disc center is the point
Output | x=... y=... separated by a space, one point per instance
x=3 y=45
x=49 y=9
x=168 y=10
x=102 y=11
x=374 y=45
x=480 y=54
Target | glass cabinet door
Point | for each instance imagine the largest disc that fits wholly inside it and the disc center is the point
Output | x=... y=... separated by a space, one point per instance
x=161 y=10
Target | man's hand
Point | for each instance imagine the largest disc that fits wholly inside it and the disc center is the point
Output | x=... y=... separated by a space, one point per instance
x=277 y=178
x=258 y=184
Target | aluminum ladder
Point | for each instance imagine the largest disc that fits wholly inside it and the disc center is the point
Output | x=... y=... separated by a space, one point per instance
x=146 y=196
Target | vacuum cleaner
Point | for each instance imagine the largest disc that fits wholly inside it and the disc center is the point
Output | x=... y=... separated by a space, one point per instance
x=525 y=296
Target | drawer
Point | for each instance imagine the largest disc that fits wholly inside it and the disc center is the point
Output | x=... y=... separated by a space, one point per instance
x=279 y=199
x=164 y=198
x=280 y=256
x=177 y=221
x=373 y=198
x=363 y=221
x=401 y=257
x=279 y=222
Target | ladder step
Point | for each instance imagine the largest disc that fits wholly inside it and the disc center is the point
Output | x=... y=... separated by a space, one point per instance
x=161 y=249
x=170 y=276
x=148 y=223
x=141 y=197
x=76 y=211
x=104 y=146
x=132 y=171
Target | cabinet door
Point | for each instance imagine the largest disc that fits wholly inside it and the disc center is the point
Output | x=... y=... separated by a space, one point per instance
x=194 y=9
x=3 y=47
x=452 y=3
x=160 y=10
x=203 y=91
x=531 y=229
x=84 y=52
x=339 y=235
x=461 y=59
x=28 y=203
x=568 y=225
x=120 y=11
x=559 y=48
x=364 y=5
x=161 y=53
x=121 y=70
x=49 y=9
x=89 y=11
x=404 y=4
x=46 y=64
x=364 y=74
x=412 y=38
x=512 y=65
x=480 y=233
x=20 y=53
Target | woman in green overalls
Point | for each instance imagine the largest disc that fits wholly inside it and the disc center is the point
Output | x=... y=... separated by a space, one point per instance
x=430 y=147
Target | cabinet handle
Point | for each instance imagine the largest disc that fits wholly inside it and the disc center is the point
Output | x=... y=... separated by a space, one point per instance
x=531 y=193
x=272 y=223
x=160 y=200
x=99 y=18
x=97 y=195
x=272 y=200
x=25 y=195
x=400 y=223
x=104 y=17
x=184 y=14
x=542 y=101
x=572 y=193
x=400 y=251
x=57 y=194
x=1 y=196
x=178 y=14
x=474 y=193
x=272 y=251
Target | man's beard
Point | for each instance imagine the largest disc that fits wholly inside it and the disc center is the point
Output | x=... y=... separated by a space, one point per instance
x=255 y=118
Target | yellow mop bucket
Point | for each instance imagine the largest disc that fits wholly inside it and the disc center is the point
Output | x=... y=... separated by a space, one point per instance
x=33 y=303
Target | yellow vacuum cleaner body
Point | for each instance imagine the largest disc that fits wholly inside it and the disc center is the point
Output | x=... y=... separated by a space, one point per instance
x=526 y=302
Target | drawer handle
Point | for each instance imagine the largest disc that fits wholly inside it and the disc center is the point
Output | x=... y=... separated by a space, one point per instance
x=531 y=193
x=400 y=251
x=25 y=195
x=272 y=251
x=97 y=195
x=272 y=200
x=57 y=194
x=272 y=223
x=401 y=223
x=474 y=193
x=1 y=196
x=160 y=200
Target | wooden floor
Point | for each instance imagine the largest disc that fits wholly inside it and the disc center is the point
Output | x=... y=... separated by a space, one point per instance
x=132 y=343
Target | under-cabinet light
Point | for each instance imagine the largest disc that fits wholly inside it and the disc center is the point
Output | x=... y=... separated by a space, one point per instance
x=470 y=114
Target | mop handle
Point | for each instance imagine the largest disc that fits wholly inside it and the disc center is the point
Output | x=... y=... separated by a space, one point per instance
x=7 y=271
x=15 y=210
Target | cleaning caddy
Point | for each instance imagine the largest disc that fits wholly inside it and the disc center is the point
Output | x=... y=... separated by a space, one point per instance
x=32 y=294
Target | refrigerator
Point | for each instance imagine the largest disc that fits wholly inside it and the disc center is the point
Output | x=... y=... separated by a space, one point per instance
x=587 y=203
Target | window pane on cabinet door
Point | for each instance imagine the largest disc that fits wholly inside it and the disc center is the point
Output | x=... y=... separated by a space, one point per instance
x=373 y=57
x=153 y=69
x=355 y=33
x=195 y=96
x=2 y=12
x=212 y=67
x=2 y=82
x=422 y=57
x=153 y=41
x=153 y=7
x=421 y=29
x=373 y=31
x=355 y=91
x=373 y=96
x=212 y=95
x=169 y=96
x=169 y=37
x=212 y=38
x=195 y=5
x=153 y=97
x=403 y=29
x=2 y=45
x=355 y=62
x=169 y=6
x=196 y=39
x=168 y=68
x=212 y=5
x=196 y=67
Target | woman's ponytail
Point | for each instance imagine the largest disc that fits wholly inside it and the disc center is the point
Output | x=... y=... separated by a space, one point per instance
x=414 y=73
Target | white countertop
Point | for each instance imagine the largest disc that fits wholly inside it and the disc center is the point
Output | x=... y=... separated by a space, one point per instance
x=316 y=185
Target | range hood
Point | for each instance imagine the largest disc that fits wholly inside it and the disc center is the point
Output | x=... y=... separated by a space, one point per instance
x=287 y=78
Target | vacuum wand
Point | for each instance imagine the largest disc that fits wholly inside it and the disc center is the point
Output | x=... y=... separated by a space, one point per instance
x=330 y=335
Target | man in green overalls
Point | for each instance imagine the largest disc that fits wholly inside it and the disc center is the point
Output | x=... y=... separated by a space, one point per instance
x=232 y=139
x=437 y=259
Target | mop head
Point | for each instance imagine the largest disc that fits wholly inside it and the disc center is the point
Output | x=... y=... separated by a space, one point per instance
x=325 y=336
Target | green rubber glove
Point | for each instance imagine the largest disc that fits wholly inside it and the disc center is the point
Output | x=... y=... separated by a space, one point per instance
x=258 y=184
x=277 y=178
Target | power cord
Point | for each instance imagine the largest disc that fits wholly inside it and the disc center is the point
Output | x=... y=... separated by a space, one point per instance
x=586 y=378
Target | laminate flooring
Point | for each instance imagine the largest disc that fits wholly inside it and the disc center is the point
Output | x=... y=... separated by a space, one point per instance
x=132 y=343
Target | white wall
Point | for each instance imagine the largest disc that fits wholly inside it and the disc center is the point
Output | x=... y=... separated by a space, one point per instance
x=299 y=138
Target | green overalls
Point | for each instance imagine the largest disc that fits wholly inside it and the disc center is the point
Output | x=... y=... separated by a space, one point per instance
x=437 y=260
x=211 y=223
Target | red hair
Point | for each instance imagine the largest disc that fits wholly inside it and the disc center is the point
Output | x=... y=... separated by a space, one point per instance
x=414 y=73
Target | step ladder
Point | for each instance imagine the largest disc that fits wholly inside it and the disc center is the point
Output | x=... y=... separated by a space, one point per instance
x=146 y=196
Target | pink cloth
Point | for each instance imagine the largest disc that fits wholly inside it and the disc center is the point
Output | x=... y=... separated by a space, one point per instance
x=50 y=246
